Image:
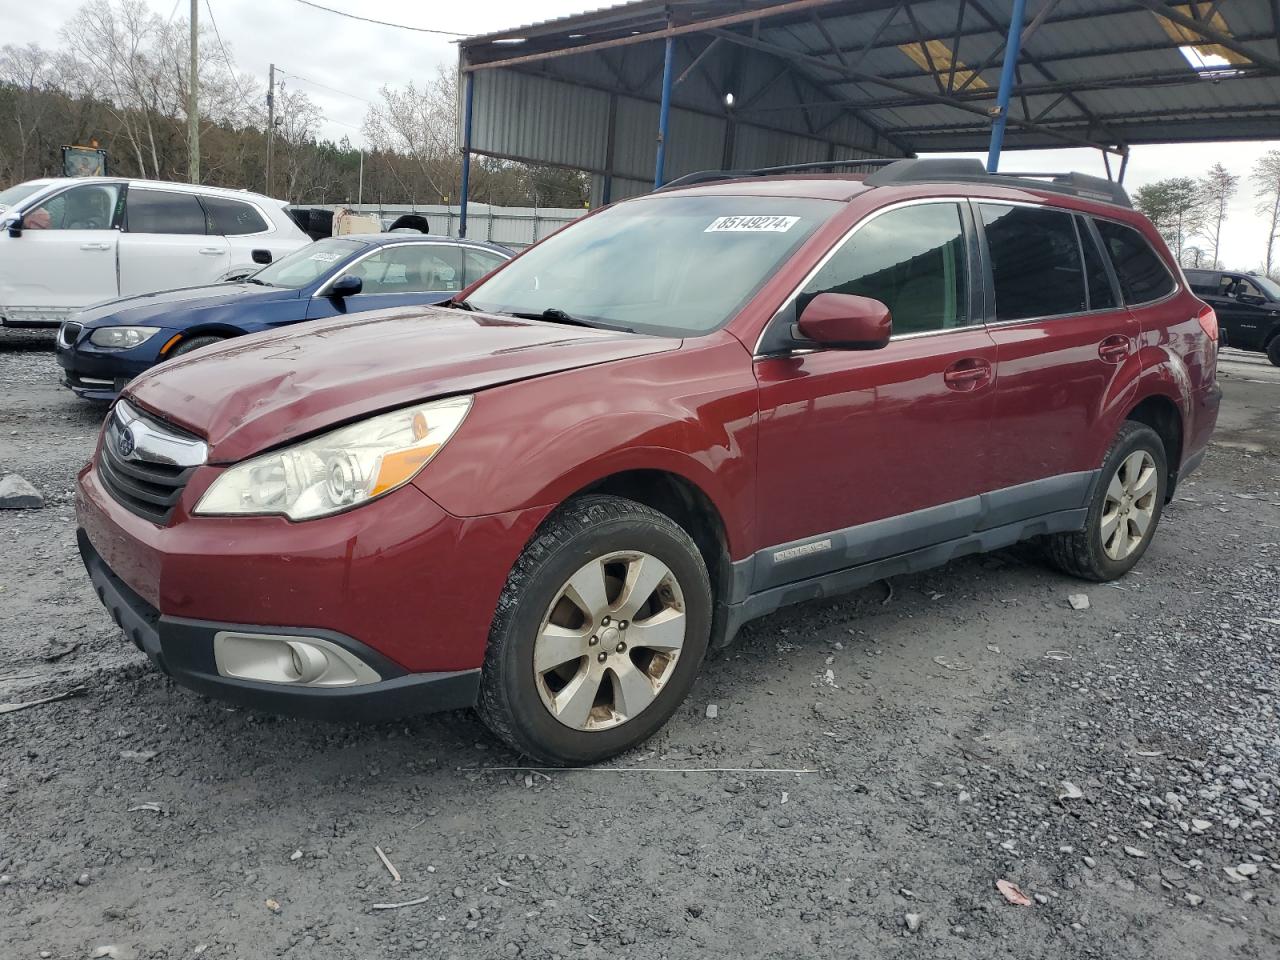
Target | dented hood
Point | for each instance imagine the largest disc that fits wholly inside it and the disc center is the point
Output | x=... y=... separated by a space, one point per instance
x=258 y=392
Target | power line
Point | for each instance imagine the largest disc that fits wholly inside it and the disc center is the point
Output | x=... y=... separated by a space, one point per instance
x=323 y=86
x=241 y=83
x=381 y=23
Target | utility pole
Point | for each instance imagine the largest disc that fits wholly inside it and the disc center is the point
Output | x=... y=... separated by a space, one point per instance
x=360 y=189
x=193 y=101
x=271 y=120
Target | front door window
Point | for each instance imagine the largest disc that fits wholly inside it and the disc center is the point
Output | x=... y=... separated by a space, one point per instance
x=88 y=207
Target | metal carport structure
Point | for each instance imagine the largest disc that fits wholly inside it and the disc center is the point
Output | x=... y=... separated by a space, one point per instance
x=643 y=92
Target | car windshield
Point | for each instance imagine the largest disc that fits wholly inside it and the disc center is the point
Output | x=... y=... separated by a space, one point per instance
x=18 y=193
x=670 y=265
x=308 y=264
x=1269 y=287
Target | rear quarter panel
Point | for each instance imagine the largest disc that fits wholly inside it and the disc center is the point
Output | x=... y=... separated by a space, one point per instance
x=1179 y=360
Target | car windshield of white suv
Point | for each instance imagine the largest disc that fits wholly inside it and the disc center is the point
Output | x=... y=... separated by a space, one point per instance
x=306 y=265
x=665 y=265
x=18 y=193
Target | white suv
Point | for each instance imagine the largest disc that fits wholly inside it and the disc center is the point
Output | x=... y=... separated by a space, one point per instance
x=65 y=243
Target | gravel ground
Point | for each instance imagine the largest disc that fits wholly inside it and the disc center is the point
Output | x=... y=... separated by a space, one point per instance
x=1119 y=764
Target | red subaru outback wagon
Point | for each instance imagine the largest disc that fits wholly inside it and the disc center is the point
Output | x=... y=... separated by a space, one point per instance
x=549 y=499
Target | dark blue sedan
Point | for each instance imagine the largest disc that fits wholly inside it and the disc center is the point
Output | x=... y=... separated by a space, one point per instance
x=104 y=346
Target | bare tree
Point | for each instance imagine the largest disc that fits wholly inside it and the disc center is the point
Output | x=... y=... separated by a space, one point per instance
x=138 y=65
x=1266 y=183
x=27 y=70
x=1217 y=187
x=421 y=122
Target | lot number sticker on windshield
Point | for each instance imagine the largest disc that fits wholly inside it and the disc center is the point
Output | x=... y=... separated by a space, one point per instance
x=325 y=257
x=746 y=224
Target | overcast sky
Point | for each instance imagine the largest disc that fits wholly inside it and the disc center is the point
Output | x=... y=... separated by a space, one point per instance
x=359 y=58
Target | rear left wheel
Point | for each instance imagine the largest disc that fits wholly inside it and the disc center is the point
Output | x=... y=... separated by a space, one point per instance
x=599 y=633
x=1123 y=513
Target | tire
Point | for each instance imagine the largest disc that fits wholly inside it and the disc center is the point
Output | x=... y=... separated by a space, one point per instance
x=195 y=343
x=1273 y=350
x=607 y=541
x=1083 y=553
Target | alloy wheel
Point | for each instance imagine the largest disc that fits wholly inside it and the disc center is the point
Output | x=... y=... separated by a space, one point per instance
x=1130 y=505
x=609 y=641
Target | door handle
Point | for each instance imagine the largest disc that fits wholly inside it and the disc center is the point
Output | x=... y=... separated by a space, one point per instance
x=95 y=246
x=967 y=374
x=211 y=251
x=1115 y=348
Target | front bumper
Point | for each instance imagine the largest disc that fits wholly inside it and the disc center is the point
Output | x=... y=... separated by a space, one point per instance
x=101 y=375
x=400 y=582
x=184 y=649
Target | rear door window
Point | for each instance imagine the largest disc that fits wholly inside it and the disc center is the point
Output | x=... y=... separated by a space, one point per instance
x=1036 y=263
x=912 y=259
x=159 y=211
x=477 y=263
x=1205 y=284
x=233 y=218
x=1143 y=275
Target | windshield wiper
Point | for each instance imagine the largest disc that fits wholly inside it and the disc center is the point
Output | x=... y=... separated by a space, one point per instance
x=556 y=315
x=461 y=305
x=261 y=283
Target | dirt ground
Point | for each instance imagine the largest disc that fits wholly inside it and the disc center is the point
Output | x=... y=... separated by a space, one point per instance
x=1119 y=764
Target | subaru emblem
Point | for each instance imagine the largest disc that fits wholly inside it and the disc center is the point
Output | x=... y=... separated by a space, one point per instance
x=124 y=442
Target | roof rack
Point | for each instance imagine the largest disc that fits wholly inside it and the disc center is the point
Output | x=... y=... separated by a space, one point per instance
x=933 y=170
x=941 y=170
x=709 y=176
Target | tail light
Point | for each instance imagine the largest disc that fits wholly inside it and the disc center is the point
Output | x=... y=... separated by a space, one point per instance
x=1209 y=322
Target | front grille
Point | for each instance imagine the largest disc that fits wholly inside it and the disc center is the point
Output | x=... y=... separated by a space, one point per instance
x=136 y=479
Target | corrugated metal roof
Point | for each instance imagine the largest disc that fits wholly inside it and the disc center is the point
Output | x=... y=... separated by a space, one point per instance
x=816 y=79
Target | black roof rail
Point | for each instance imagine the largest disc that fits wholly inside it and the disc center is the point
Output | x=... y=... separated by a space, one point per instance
x=932 y=170
x=946 y=170
x=710 y=176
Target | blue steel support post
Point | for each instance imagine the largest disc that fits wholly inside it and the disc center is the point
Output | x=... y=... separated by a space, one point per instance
x=664 y=113
x=1012 y=48
x=466 y=154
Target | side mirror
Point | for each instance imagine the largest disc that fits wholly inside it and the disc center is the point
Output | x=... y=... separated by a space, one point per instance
x=261 y=256
x=843 y=321
x=15 y=227
x=347 y=286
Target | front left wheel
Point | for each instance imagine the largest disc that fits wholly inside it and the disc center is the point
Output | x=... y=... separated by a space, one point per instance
x=599 y=633
x=195 y=343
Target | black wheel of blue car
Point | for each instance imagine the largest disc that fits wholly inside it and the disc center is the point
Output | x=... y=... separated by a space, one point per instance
x=195 y=343
x=598 y=635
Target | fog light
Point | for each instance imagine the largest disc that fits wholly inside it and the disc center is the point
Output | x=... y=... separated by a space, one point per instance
x=295 y=661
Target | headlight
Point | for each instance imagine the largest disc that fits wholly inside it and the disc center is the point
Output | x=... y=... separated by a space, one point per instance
x=338 y=470
x=121 y=338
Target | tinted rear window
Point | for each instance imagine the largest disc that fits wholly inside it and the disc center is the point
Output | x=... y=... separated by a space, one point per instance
x=158 y=211
x=1143 y=275
x=1035 y=262
x=233 y=218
